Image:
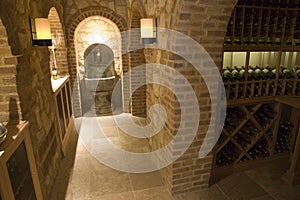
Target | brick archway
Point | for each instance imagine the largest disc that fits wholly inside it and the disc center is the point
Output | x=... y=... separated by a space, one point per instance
x=79 y=16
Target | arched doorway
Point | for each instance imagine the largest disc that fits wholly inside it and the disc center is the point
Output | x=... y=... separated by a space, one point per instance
x=99 y=31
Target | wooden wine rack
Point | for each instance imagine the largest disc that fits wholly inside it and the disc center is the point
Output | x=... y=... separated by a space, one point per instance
x=64 y=114
x=19 y=177
x=262 y=88
x=247 y=120
x=247 y=141
x=264 y=23
x=259 y=122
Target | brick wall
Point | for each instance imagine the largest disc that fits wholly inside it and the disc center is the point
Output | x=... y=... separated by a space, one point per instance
x=58 y=42
x=30 y=66
x=37 y=103
x=9 y=98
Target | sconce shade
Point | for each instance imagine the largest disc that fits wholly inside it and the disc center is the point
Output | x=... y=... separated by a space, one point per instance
x=148 y=28
x=41 y=32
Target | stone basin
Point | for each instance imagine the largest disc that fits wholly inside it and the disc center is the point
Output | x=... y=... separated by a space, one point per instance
x=100 y=84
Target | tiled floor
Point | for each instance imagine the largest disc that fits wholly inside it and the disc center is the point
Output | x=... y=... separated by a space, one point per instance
x=82 y=177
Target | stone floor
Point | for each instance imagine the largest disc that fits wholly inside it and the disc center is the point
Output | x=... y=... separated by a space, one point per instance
x=82 y=177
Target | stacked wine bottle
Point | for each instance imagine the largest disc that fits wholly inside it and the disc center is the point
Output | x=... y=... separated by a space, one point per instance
x=228 y=155
x=259 y=23
x=259 y=150
x=242 y=82
x=283 y=138
x=248 y=134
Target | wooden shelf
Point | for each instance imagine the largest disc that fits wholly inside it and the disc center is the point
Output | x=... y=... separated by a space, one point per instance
x=19 y=177
x=64 y=114
x=58 y=83
x=262 y=88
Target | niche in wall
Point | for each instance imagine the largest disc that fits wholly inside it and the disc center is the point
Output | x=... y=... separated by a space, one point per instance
x=96 y=30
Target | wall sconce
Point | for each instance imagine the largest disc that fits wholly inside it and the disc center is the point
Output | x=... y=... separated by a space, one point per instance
x=40 y=32
x=149 y=30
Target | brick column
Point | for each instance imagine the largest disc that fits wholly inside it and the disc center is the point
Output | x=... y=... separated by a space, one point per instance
x=205 y=22
x=138 y=98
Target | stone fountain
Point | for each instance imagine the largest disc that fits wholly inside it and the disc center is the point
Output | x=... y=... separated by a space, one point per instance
x=100 y=78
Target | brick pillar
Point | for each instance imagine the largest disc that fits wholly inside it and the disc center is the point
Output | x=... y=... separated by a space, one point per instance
x=138 y=98
x=206 y=23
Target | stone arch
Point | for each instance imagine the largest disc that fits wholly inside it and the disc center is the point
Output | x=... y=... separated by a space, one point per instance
x=79 y=16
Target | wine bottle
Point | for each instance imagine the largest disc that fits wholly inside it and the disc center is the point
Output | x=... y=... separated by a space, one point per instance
x=288 y=88
x=235 y=74
x=240 y=91
x=241 y=73
x=297 y=71
x=282 y=142
x=54 y=69
x=258 y=73
x=226 y=75
x=250 y=73
x=240 y=140
x=286 y=73
x=268 y=73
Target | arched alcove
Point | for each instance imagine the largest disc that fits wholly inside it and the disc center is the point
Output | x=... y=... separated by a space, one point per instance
x=58 y=43
x=97 y=29
x=102 y=32
x=77 y=18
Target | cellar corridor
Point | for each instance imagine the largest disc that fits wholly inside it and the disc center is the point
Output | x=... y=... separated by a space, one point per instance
x=83 y=177
x=213 y=85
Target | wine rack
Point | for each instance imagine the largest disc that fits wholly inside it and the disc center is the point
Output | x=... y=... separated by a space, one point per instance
x=63 y=100
x=19 y=179
x=257 y=132
x=270 y=28
x=248 y=133
x=264 y=23
x=244 y=83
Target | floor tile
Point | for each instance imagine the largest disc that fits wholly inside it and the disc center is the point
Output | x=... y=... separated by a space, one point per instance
x=80 y=191
x=83 y=177
x=146 y=180
x=109 y=181
x=240 y=186
x=115 y=196
x=288 y=193
x=211 y=193
x=160 y=193
x=266 y=197
x=110 y=131
x=270 y=179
